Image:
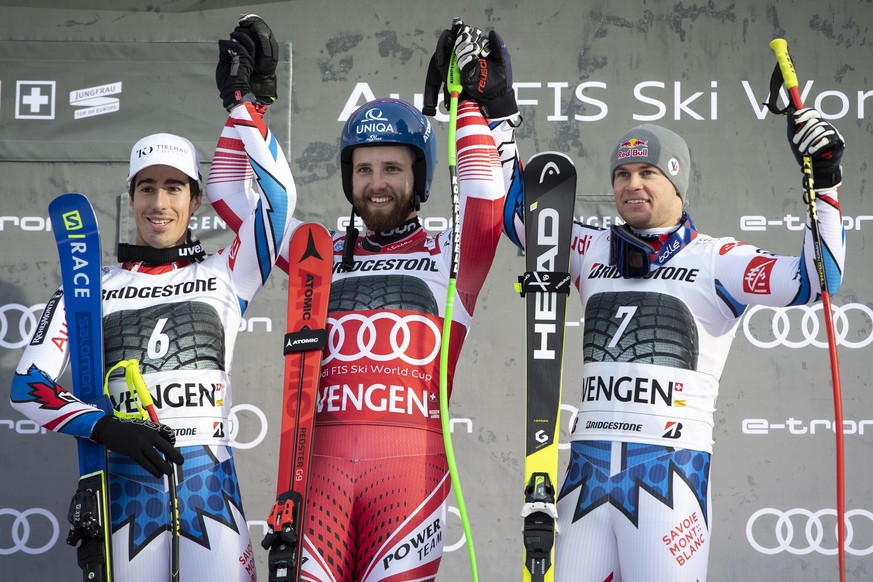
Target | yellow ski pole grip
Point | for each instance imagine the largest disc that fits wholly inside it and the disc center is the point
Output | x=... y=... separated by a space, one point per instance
x=780 y=49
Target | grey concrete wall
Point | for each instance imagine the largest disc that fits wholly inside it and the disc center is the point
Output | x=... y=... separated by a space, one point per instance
x=584 y=74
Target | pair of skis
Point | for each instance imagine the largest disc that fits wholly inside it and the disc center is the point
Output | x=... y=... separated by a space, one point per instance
x=78 y=242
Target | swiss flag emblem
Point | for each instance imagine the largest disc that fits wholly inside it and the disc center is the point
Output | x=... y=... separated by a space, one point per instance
x=757 y=277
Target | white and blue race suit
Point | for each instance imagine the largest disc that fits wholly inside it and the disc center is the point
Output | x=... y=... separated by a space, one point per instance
x=634 y=503
x=180 y=320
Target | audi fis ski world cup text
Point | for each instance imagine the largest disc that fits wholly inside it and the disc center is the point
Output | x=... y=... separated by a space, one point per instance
x=653 y=99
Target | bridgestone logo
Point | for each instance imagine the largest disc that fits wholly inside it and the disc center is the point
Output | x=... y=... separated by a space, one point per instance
x=626 y=426
x=186 y=288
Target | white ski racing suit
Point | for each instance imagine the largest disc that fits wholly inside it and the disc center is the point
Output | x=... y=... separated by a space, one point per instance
x=180 y=320
x=634 y=503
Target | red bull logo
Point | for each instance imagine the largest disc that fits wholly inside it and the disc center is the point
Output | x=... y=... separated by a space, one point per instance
x=633 y=147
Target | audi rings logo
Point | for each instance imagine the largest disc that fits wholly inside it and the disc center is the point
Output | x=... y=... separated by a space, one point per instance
x=34 y=531
x=801 y=532
x=354 y=336
x=17 y=324
x=246 y=440
x=802 y=325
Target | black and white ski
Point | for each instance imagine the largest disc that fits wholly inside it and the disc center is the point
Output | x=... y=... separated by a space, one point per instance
x=549 y=196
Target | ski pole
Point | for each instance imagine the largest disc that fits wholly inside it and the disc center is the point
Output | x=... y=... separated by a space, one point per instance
x=453 y=84
x=789 y=79
x=143 y=401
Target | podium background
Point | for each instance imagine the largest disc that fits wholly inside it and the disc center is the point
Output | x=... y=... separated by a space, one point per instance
x=584 y=74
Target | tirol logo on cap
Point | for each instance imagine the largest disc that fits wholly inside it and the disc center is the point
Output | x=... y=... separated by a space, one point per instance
x=633 y=147
x=673 y=166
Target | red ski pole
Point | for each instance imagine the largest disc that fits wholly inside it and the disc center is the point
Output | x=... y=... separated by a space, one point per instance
x=789 y=79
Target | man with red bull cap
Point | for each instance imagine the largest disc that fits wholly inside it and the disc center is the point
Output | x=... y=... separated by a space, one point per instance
x=661 y=304
x=177 y=311
x=379 y=475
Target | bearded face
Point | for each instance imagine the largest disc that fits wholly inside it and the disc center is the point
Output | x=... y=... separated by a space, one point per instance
x=382 y=185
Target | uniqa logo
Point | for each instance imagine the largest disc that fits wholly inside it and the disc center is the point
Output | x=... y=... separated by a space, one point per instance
x=374 y=122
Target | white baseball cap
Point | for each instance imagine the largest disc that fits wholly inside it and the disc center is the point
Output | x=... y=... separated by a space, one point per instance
x=165 y=149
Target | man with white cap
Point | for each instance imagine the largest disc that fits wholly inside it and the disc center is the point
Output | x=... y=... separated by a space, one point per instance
x=178 y=312
x=661 y=302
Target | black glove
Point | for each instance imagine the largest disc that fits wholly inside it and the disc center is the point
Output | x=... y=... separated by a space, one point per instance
x=438 y=68
x=138 y=439
x=810 y=135
x=254 y=34
x=488 y=79
x=486 y=71
x=233 y=73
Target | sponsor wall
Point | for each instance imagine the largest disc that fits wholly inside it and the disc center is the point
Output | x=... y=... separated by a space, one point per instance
x=78 y=86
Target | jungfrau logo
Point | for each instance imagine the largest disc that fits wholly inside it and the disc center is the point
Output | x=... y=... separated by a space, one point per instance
x=96 y=100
